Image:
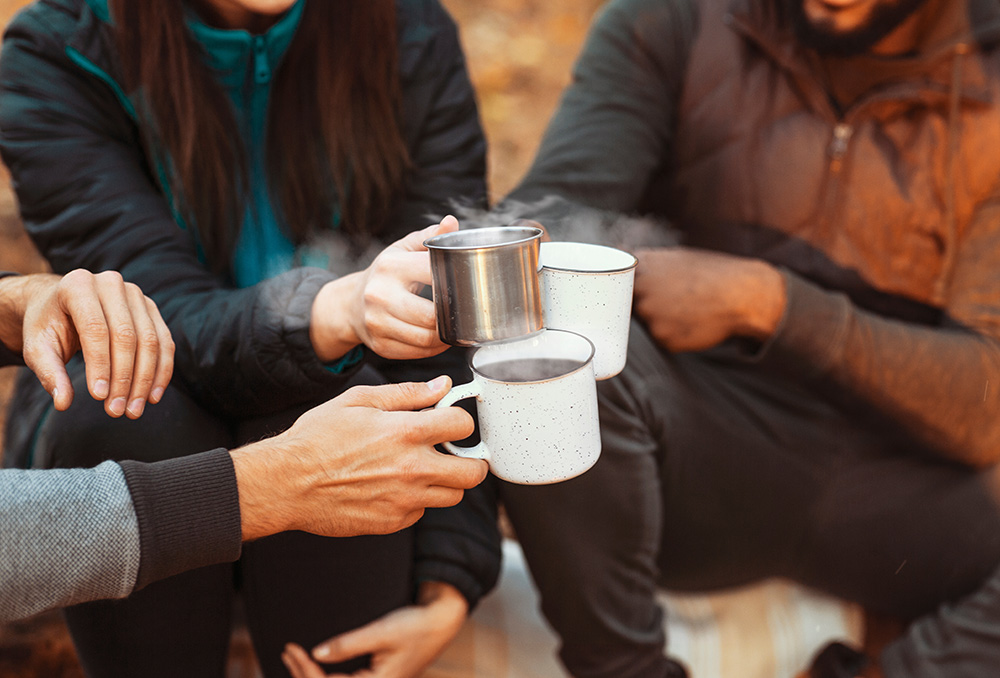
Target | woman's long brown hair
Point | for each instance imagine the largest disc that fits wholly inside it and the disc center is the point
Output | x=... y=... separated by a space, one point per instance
x=333 y=138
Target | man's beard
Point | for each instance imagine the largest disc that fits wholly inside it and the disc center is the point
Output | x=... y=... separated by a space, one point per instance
x=825 y=38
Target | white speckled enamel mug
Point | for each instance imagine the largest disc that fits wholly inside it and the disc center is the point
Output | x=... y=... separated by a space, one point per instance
x=587 y=289
x=537 y=407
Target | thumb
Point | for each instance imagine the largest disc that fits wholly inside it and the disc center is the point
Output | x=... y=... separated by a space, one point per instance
x=406 y=396
x=414 y=242
x=447 y=225
x=47 y=362
x=364 y=640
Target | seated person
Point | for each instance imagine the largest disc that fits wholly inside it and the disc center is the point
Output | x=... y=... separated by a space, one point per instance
x=812 y=385
x=74 y=535
x=224 y=155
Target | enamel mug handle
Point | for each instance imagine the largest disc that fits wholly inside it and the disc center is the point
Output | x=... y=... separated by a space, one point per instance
x=470 y=390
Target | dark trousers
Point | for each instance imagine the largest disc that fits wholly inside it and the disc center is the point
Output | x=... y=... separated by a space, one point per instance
x=296 y=587
x=713 y=474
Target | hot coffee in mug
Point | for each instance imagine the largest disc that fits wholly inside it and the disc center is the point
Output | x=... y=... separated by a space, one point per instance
x=537 y=407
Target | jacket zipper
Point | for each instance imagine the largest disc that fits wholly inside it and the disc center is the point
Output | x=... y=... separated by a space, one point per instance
x=842 y=133
x=836 y=150
x=261 y=69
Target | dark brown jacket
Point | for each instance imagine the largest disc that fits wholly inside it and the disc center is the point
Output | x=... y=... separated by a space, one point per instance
x=883 y=209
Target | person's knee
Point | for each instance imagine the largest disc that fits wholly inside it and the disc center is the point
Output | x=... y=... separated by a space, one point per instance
x=84 y=435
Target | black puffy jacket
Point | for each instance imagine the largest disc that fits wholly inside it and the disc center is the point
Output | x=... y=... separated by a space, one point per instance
x=70 y=139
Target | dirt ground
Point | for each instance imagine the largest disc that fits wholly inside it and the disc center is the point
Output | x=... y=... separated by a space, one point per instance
x=519 y=54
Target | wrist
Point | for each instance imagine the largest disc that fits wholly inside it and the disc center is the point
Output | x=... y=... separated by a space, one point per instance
x=12 y=312
x=264 y=491
x=764 y=302
x=449 y=606
x=16 y=294
x=330 y=329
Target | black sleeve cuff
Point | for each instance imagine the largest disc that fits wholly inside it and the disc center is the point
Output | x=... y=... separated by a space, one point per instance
x=467 y=584
x=188 y=511
x=461 y=545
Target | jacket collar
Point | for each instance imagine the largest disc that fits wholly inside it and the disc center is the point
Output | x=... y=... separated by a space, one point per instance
x=100 y=9
x=229 y=52
x=233 y=53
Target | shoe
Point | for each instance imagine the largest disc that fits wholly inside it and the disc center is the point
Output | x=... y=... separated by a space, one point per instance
x=837 y=660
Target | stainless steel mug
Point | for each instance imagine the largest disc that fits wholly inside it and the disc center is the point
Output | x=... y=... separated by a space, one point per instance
x=485 y=283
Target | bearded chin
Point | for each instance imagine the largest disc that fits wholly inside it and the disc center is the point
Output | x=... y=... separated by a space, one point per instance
x=823 y=37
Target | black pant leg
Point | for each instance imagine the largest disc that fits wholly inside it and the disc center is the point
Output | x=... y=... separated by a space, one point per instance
x=905 y=534
x=694 y=487
x=303 y=588
x=776 y=481
x=591 y=542
x=179 y=626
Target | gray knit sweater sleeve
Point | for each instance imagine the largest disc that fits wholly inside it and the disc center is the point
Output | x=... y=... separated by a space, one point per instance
x=66 y=536
x=72 y=535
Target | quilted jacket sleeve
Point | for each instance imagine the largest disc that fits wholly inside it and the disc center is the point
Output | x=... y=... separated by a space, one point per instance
x=88 y=201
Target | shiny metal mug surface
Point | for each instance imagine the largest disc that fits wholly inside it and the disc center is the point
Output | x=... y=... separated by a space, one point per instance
x=485 y=283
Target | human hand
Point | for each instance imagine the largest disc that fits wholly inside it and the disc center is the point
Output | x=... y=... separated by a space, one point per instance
x=380 y=306
x=126 y=346
x=402 y=643
x=362 y=463
x=692 y=300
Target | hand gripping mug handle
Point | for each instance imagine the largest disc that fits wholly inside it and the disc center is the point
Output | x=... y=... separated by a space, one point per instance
x=470 y=390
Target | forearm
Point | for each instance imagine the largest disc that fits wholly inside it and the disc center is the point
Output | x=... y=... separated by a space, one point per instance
x=74 y=535
x=68 y=536
x=330 y=329
x=188 y=513
x=938 y=384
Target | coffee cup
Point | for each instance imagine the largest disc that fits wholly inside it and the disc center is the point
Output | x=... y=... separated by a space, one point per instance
x=587 y=289
x=485 y=283
x=537 y=407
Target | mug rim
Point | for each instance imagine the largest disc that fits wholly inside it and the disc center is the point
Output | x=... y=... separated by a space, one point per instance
x=603 y=271
x=495 y=344
x=530 y=233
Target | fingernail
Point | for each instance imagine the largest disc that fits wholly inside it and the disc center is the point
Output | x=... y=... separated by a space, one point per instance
x=437 y=383
x=155 y=396
x=101 y=389
x=117 y=406
x=55 y=393
x=321 y=651
x=135 y=407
